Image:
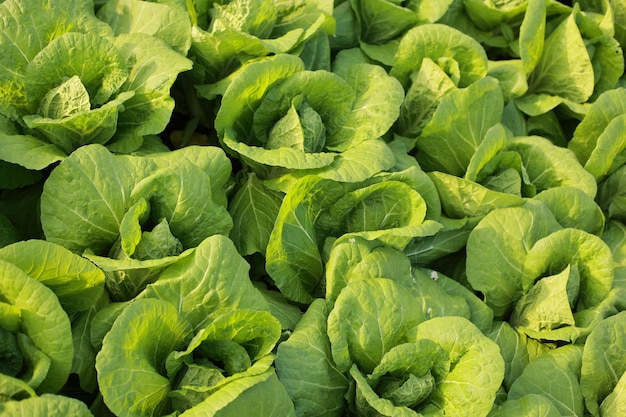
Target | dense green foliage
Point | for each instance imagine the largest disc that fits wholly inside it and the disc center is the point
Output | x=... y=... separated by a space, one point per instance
x=312 y=208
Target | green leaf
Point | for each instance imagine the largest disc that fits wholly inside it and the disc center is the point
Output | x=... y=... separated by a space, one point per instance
x=532 y=35
x=131 y=363
x=592 y=256
x=46 y=405
x=254 y=209
x=363 y=325
x=84 y=362
x=75 y=281
x=293 y=257
x=548 y=304
x=613 y=403
x=607 y=107
x=42 y=323
x=375 y=17
x=463 y=198
x=611 y=195
x=444 y=45
x=29 y=151
x=554 y=375
x=468 y=114
x=497 y=274
x=168 y=23
x=69 y=133
x=530 y=405
x=609 y=153
x=8 y=232
x=548 y=165
x=70 y=97
x=427 y=88
x=206 y=283
x=476 y=369
x=83 y=206
x=355 y=164
x=375 y=108
x=27 y=27
x=572 y=207
x=263 y=393
x=517 y=350
x=603 y=362
x=153 y=66
x=304 y=365
x=564 y=68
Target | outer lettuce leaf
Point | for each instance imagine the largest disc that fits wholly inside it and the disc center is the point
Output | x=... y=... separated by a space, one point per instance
x=517 y=350
x=564 y=69
x=458 y=126
x=480 y=314
x=611 y=195
x=594 y=141
x=573 y=208
x=264 y=393
x=564 y=247
x=614 y=404
x=46 y=405
x=375 y=17
x=531 y=405
x=75 y=281
x=462 y=198
x=550 y=166
x=293 y=257
x=254 y=209
x=130 y=349
x=84 y=362
x=212 y=280
x=603 y=362
x=353 y=258
x=165 y=21
x=29 y=151
x=489 y=16
x=427 y=88
x=562 y=365
x=363 y=325
x=315 y=385
x=34 y=318
x=149 y=110
x=375 y=108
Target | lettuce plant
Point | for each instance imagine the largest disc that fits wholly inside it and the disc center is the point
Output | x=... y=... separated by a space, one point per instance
x=205 y=358
x=48 y=284
x=225 y=35
x=157 y=206
x=298 y=120
x=56 y=105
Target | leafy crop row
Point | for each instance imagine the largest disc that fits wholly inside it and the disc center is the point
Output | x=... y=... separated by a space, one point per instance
x=312 y=208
